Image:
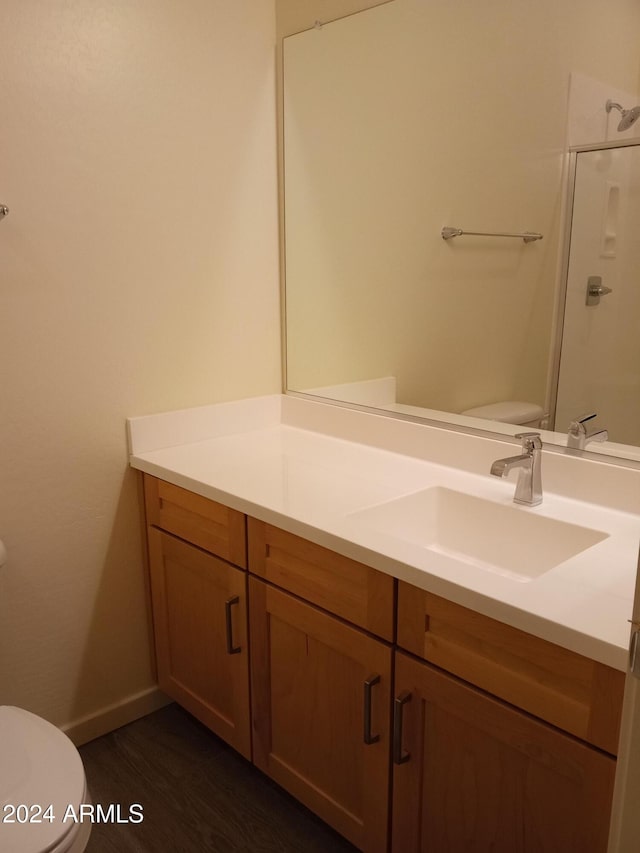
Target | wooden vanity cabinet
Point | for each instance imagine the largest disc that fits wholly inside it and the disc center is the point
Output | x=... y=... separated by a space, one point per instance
x=484 y=739
x=199 y=608
x=471 y=773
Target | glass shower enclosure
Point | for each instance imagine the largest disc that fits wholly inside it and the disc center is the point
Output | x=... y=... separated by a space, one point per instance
x=599 y=366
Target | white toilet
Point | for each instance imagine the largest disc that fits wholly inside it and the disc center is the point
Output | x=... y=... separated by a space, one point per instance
x=39 y=767
x=510 y=412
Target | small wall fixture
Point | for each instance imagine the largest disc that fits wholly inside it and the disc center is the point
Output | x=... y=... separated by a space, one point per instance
x=629 y=117
x=528 y=236
x=4 y=211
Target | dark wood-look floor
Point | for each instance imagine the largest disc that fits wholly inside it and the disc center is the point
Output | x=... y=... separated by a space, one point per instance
x=197 y=794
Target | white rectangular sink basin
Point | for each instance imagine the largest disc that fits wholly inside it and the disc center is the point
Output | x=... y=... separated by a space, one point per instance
x=508 y=540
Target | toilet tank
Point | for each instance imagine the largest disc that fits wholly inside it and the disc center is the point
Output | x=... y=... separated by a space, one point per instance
x=509 y=412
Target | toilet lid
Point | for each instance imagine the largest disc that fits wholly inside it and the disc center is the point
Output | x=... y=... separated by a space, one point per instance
x=39 y=767
x=510 y=412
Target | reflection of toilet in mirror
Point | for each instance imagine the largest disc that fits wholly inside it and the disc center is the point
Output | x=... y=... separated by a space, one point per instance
x=42 y=782
x=510 y=412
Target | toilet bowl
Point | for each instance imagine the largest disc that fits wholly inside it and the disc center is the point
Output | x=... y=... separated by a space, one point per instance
x=42 y=781
x=510 y=412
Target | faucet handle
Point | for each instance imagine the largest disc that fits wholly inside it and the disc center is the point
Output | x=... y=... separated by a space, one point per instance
x=579 y=435
x=577 y=427
x=530 y=441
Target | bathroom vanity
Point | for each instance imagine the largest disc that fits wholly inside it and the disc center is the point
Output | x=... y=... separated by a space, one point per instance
x=415 y=700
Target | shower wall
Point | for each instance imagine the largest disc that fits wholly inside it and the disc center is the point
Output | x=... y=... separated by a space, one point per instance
x=600 y=358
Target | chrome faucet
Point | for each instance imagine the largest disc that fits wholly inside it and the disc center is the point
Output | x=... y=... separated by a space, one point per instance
x=529 y=485
x=579 y=435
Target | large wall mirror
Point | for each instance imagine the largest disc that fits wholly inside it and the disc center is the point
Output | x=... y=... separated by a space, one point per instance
x=414 y=115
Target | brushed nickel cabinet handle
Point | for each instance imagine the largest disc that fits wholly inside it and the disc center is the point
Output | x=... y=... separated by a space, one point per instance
x=399 y=757
x=634 y=657
x=368 y=686
x=231 y=649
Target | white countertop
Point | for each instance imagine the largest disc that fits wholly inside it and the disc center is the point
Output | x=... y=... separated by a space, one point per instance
x=293 y=463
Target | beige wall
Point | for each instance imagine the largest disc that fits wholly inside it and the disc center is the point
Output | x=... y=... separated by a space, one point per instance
x=416 y=115
x=139 y=273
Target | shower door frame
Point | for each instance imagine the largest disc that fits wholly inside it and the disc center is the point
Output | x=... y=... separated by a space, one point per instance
x=563 y=275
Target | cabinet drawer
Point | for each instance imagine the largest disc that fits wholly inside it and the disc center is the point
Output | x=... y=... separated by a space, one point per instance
x=201 y=521
x=570 y=691
x=342 y=586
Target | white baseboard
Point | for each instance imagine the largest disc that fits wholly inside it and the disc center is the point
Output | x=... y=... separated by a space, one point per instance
x=114 y=716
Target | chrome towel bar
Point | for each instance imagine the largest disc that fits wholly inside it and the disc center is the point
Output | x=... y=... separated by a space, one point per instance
x=528 y=236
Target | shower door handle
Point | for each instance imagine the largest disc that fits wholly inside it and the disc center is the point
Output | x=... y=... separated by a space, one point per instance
x=596 y=289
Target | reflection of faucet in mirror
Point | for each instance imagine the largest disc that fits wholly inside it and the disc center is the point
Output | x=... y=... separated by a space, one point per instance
x=529 y=485
x=579 y=436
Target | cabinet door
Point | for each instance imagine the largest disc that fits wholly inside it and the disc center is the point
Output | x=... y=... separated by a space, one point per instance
x=321 y=693
x=475 y=775
x=200 y=626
